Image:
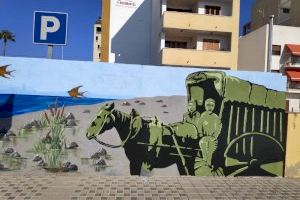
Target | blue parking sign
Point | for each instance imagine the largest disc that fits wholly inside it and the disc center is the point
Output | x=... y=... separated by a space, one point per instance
x=50 y=28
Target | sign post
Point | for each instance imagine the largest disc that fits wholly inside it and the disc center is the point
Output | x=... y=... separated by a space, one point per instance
x=50 y=28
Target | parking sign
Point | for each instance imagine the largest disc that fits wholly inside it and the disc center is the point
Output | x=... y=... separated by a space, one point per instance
x=50 y=28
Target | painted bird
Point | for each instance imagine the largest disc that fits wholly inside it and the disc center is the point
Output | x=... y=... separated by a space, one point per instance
x=74 y=92
x=4 y=72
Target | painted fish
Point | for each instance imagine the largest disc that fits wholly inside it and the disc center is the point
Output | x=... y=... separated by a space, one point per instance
x=4 y=73
x=74 y=92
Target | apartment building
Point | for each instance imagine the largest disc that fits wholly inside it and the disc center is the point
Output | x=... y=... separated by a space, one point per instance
x=253 y=56
x=197 y=33
x=286 y=12
x=97 y=41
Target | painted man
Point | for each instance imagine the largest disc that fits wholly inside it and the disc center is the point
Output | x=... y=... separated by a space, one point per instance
x=210 y=130
x=193 y=115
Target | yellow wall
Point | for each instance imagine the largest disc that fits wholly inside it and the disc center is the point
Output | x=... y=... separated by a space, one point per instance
x=105 y=30
x=194 y=58
x=292 y=163
x=196 y=22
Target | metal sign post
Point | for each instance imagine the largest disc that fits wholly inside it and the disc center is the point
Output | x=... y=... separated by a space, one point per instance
x=50 y=52
x=50 y=28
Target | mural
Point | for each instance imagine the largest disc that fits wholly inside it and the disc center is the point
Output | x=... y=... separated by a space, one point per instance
x=178 y=122
x=232 y=127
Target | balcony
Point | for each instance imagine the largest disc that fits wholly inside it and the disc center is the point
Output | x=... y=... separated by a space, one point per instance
x=192 y=21
x=198 y=58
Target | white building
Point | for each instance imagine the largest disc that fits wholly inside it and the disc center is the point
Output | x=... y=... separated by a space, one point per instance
x=200 y=33
x=253 y=55
x=97 y=41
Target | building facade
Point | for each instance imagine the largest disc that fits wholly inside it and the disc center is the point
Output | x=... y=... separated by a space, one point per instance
x=253 y=56
x=97 y=41
x=286 y=12
x=198 y=33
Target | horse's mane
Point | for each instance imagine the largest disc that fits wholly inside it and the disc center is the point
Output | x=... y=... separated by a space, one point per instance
x=121 y=115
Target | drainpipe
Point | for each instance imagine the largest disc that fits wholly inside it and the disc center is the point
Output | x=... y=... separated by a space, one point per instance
x=270 y=43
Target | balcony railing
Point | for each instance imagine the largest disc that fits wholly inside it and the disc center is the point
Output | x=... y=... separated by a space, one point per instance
x=200 y=58
x=192 y=21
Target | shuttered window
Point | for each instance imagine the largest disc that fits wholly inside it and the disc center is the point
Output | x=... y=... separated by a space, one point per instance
x=211 y=44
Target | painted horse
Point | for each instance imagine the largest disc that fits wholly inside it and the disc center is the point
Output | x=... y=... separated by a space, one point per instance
x=148 y=144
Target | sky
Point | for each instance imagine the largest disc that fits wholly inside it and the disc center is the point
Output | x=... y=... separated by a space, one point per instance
x=17 y=16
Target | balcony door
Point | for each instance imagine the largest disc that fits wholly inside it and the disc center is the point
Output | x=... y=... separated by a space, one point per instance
x=211 y=44
x=212 y=10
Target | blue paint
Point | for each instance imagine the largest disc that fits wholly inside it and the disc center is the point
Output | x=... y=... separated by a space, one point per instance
x=11 y=105
x=109 y=81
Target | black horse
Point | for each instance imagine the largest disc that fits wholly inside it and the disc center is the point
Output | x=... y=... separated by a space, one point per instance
x=148 y=144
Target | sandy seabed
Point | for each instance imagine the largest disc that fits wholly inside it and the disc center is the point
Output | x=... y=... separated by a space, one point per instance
x=167 y=109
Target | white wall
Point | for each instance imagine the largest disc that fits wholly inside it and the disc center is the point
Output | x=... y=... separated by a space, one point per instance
x=130 y=32
x=96 y=51
x=284 y=35
x=226 y=7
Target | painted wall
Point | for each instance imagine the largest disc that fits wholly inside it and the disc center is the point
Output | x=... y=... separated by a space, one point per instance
x=292 y=160
x=167 y=121
x=253 y=50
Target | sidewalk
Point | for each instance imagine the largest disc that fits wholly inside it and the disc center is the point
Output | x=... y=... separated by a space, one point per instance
x=78 y=186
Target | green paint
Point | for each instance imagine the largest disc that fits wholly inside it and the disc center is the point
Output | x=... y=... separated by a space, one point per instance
x=261 y=120
x=193 y=144
x=229 y=125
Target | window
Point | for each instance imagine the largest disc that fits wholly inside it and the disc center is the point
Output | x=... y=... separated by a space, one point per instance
x=212 y=10
x=211 y=44
x=98 y=29
x=99 y=55
x=180 y=10
x=175 y=44
x=276 y=50
x=286 y=10
x=98 y=46
x=96 y=38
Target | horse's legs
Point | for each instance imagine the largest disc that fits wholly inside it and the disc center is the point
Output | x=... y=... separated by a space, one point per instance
x=135 y=167
x=181 y=169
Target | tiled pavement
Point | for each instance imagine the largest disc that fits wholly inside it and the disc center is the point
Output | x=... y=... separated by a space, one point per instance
x=92 y=186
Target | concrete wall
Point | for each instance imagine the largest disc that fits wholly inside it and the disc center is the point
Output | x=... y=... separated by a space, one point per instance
x=253 y=49
x=292 y=160
x=97 y=43
x=261 y=11
x=81 y=100
x=130 y=32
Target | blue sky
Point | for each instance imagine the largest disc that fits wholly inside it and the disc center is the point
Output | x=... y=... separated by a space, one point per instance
x=17 y=16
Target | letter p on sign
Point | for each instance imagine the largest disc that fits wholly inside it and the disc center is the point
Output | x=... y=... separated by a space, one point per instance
x=50 y=28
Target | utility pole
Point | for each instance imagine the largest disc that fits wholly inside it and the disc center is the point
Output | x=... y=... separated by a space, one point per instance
x=270 y=43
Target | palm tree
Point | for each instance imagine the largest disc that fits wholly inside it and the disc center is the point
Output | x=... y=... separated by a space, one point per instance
x=6 y=36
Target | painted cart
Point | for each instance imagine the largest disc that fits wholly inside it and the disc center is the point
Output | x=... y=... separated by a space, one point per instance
x=253 y=123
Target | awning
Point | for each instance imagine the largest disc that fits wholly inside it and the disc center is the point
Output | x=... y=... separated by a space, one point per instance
x=293 y=75
x=294 y=49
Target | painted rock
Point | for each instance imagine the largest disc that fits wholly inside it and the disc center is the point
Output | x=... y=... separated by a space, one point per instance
x=9 y=150
x=73 y=145
x=73 y=167
x=15 y=155
x=37 y=158
x=101 y=162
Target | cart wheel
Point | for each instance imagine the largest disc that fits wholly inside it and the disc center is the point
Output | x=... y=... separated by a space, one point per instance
x=254 y=154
